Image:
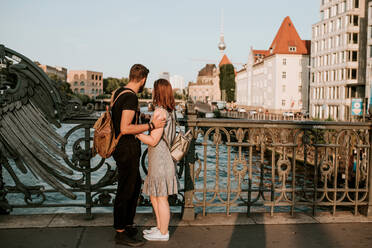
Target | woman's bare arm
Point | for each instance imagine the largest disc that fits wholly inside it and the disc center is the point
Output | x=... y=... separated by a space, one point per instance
x=126 y=126
x=155 y=135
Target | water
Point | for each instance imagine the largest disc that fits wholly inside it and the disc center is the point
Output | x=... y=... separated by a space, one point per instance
x=211 y=173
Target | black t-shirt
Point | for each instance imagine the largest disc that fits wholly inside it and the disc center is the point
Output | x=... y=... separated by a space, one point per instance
x=127 y=101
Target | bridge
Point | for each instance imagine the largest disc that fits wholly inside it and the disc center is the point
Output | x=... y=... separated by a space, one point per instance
x=257 y=170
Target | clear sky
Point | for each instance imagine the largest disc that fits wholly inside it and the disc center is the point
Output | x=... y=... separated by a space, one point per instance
x=164 y=35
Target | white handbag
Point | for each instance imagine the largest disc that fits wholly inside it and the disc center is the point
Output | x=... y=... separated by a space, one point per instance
x=180 y=145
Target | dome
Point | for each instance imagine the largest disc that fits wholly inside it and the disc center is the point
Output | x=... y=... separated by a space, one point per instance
x=221 y=45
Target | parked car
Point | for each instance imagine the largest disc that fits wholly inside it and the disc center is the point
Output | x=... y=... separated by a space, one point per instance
x=242 y=110
x=288 y=114
x=305 y=113
x=252 y=112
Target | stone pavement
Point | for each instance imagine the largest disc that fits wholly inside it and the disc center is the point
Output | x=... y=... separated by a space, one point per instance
x=215 y=230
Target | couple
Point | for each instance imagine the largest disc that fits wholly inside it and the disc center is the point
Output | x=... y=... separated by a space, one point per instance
x=161 y=180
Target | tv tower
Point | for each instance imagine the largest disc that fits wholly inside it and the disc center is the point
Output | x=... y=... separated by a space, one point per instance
x=221 y=44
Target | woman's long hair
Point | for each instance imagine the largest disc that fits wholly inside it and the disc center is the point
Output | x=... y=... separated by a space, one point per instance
x=163 y=95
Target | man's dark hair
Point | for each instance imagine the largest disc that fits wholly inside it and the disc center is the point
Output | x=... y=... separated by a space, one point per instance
x=138 y=72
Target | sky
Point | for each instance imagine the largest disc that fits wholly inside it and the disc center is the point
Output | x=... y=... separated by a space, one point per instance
x=175 y=36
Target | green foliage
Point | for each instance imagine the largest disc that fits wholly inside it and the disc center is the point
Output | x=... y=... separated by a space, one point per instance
x=110 y=84
x=83 y=98
x=145 y=94
x=227 y=81
x=103 y=96
x=62 y=86
x=178 y=96
x=217 y=113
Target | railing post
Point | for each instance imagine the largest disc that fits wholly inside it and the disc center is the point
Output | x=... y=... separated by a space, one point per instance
x=369 y=210
x=88 y=182
x=188 y=209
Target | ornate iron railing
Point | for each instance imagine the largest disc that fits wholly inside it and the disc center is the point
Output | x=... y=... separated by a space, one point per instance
x=232 y=165
x=278 y=166
x=91 y=193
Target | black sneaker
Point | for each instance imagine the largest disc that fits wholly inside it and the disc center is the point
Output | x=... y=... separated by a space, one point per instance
x=122 y=238
x=131 y=230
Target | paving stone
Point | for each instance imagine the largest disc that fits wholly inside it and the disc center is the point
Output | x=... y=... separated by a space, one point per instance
x=282 y=218
x=24 y=221
x=40 y=237
x=341 y=217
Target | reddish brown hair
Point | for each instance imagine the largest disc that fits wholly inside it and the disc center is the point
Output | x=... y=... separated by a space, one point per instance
x=163 y=95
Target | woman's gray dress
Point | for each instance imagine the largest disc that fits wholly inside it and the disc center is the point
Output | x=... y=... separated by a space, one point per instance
x=161 y=179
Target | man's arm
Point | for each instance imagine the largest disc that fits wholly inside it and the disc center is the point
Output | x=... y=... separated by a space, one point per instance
x=126 y=126
x=155 y=135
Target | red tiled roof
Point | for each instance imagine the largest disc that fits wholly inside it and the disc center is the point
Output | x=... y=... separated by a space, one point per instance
x=286 y=37
x=224 y=61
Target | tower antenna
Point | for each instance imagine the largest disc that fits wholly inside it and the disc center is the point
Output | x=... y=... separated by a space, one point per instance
x=221 y=44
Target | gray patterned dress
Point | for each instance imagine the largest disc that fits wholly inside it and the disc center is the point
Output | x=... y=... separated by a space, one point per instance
x=161 y=179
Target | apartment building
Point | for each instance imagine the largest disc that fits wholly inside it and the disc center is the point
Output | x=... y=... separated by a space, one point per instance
x=338 y=58
x=86 y=82
x=277 y=79
x=59 y=72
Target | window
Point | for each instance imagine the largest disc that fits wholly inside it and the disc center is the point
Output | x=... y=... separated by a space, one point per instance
x=292 y=49
x=284 y=74
x=353 y=73
x=354 y=56
x=283 y=103
x=356 y=4
x=100 y=77
x=284 y=61
x=370 y=51
x=283 y=88
x=355 y=38
x=355 y=20
x=82 y=83
x=82 y=91
x=300 y=89
x=96 y=77
x=92 y=77
x=75 y=83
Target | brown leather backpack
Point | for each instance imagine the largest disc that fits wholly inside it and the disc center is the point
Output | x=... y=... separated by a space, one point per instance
x=104 y=141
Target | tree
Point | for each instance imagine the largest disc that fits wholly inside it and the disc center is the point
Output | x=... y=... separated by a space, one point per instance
x=110 y=84
x=227 y=81
x=62 y=86
x=145 y=94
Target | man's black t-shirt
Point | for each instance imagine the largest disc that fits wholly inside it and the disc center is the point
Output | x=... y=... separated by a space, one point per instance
x=127 y=101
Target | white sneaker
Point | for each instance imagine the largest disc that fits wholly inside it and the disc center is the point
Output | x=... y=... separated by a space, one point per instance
x=151 y=230
x=157 y=236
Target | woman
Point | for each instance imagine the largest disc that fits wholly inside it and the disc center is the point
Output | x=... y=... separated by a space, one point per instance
x=161 y=179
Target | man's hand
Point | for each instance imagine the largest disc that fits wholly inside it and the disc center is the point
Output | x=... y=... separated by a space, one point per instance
x=159 y=123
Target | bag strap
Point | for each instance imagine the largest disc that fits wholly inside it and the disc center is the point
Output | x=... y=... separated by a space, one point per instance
x=125 y=90
x=163 y=135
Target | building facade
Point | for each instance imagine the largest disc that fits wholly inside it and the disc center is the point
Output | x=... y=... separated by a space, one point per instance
x=177 y=82
x=86 y=82
x=242 y=89
x=206 y=88
x=369 y=56
x=59 y=72
x=338 y=58
x=278 y=78
x=164 y=75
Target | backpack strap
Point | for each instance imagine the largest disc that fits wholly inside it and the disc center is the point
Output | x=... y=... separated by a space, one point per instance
x=121 y=93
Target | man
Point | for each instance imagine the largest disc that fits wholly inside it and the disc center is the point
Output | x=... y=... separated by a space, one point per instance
x=125 y=116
